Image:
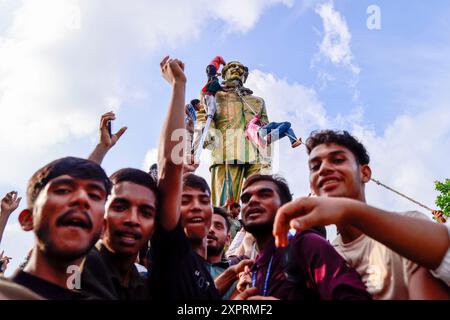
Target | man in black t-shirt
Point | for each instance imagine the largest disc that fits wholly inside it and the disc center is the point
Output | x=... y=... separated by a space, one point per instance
x=178 y=247
x=66 y=204
x=109 y=271
x=180 y=271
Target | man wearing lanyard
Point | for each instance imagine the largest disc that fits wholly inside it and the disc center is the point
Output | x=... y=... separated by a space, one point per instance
x=309 y=268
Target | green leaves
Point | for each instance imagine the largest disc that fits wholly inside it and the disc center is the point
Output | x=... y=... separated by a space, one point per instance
x=443 y=200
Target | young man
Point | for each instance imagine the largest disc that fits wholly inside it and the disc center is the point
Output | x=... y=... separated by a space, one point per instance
x=312 y=269
x=66 y=204
x=234 y=211
x=218 y=236
x=109 y=271
x=178 y=255
x=178 y=247
x=339 y=170
x=424 y=242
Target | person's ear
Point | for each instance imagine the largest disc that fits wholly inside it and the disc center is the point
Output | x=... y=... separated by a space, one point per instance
x=26 y=220
x=228 y=239
x=366 y=173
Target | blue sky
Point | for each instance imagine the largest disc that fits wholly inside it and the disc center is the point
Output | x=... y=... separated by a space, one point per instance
x=64 y=63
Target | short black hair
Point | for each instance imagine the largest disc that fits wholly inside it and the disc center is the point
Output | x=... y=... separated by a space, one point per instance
x=136 y=176
x=75 y=167
x=223 y=213
x=235 y=205
x=194 y=102
x=342 y=138
x=283 y=188
x=193 y=181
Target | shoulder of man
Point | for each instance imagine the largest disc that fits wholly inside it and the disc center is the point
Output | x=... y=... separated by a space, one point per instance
x=13 y=291
x=415 y=214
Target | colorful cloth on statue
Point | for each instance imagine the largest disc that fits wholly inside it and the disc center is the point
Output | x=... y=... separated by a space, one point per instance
x=252 y=132
x=212 y=87
x=227 y=132
x=217 y=61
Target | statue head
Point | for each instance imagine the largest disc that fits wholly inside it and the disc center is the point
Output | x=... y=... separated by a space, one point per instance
x=234 y=71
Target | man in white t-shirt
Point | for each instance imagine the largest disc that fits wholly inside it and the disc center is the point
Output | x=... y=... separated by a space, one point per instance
x=339 y=170
x=385 y=273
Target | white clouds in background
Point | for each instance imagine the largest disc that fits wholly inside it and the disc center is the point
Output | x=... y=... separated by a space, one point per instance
x=151 y=157
x=62 y=62
x=335 y=45
x=242 y=15
x=409 y=155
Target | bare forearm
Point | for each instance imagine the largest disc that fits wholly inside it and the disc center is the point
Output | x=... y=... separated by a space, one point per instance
x=224 y=281
x=3 y=222
x=421 y=241
x=423 y=286
x=170 y=165
x=98 y=154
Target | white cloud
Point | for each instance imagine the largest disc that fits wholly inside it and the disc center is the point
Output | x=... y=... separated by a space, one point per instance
x=335 y=45
x=151 y=157
x=409 y=155
x=300 y=106
x=62 y=63
x=243 y=15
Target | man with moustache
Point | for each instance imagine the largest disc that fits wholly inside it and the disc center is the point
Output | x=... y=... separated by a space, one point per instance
x=66 y=204
x=218 y=237
x=109 y=271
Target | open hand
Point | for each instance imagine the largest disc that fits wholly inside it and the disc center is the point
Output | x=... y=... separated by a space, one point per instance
x=9 y=203
x=106 y=140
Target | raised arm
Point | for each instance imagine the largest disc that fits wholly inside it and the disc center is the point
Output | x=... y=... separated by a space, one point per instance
x=9 y=203
x=420 y=241
x=170 y=162
x=106 y=141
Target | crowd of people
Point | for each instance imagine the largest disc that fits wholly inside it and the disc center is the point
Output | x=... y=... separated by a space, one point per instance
x=145 y=235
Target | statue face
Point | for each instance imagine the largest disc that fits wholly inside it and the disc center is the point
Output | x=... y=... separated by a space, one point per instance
x=234 y=71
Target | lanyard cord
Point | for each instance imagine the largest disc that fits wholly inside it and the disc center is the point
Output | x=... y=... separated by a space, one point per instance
x=266 y=280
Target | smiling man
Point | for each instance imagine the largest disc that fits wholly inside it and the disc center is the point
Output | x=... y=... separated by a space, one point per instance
x=309 y=268
x=179 y=255
x=66 y=204
x=178 y=247
x=339 y=170
x=109 y=271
